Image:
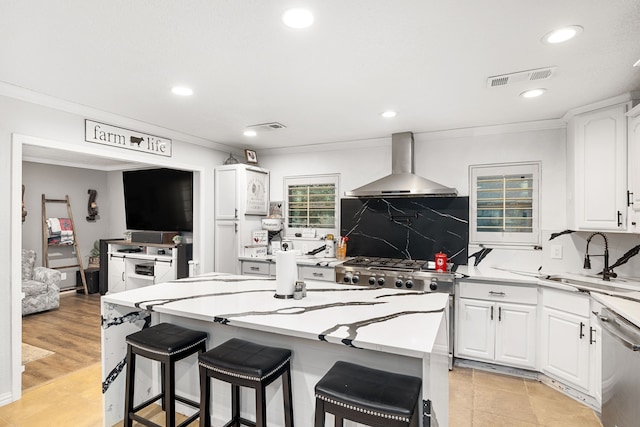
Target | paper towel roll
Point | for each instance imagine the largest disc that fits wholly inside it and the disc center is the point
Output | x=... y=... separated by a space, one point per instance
x=286 y=273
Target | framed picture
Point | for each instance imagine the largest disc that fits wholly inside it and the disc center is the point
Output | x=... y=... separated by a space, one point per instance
x=251 y=156
x=257 y=192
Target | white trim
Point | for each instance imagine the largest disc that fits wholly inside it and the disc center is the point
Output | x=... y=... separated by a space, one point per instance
x=333 y=178
x=5 y=399
x=38 y=98
x=620 y=99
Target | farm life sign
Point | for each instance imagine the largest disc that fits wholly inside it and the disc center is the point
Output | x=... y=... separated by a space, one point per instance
x=105 y=134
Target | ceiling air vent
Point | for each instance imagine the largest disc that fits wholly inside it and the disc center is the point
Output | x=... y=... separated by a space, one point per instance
x=267 y=126
x=521 y=76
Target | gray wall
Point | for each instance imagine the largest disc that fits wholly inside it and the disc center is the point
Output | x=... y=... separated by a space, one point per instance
x=56 y=182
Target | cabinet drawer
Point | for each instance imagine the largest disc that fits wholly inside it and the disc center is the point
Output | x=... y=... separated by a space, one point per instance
x=569 y=302
x=256 y=268
x=499 y=292
x=317 y=273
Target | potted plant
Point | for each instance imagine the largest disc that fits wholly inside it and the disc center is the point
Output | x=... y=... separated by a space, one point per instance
x=94 y=255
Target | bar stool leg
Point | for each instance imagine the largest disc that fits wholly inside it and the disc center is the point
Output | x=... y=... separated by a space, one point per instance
x=235 y=405
x=288 y=398
x=205 y=398
x=320 y=414
x=129 y=386
x=163 y=373
x=169 y=395
x=261 y=406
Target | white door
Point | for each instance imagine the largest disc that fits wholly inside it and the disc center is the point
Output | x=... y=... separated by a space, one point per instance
x=476 y=329
x=565 y=347
x=226 y=247
x=164 y=271
x=516 y=335
x=601 y=169
x=226 y=198
x=116 y=279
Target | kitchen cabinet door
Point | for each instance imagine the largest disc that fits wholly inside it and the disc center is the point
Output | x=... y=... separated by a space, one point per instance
x=226 y=247
x=226 y=196
x=475 y=329
x=565 y=347
x=163 y=272
x=634 y=171
x=116 y=279
x=516 y=335
x=601 y=169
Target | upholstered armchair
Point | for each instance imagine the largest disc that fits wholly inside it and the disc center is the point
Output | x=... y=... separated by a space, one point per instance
x=40 y=285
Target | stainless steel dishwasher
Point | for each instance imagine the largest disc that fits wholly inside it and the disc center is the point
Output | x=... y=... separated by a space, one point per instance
x=620 y=371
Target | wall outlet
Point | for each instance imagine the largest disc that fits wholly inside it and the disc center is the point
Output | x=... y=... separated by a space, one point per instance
x=64 y=276
x=556 y=251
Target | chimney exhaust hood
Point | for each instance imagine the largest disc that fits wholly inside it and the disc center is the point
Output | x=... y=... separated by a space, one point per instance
x=402 y=182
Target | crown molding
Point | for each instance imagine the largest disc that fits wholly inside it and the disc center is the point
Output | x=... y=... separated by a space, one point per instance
x=620 y=99
x=37 y=98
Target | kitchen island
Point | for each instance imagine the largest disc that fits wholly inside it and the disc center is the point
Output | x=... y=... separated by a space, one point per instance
x=394 y=330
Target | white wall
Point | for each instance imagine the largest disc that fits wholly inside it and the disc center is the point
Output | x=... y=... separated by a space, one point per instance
x=444 y=157
x=61 y=125
x=56 y=182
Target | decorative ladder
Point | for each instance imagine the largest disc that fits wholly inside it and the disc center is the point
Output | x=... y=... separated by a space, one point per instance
x=46 y=245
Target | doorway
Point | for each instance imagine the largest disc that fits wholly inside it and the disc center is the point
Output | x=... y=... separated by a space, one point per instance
x=29 y=148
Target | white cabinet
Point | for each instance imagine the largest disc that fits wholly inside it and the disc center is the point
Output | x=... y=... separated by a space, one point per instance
x=241 y=201
x=566 y=337
x=497 y=323
x=600 y=168
x=135 y=265
x=259 y=268
x=324 y=274
x=634 y=170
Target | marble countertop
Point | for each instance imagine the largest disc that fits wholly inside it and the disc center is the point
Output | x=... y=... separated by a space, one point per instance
x=623 y=297
x=377 y=319
x=300 y=260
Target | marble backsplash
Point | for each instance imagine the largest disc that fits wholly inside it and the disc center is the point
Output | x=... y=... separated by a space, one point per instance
x=410 y=228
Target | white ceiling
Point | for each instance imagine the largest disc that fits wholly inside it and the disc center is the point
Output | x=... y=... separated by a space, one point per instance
x=429 y=60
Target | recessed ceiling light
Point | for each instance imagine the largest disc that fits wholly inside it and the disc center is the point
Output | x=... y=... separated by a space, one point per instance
x=389 y=114
x=533 y=93
x=182 y=90
x=562 y=34
x=297 y=18
x=637 y=64
x=250 y=133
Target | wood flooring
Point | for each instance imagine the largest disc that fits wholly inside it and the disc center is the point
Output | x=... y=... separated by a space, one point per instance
x=72 y=332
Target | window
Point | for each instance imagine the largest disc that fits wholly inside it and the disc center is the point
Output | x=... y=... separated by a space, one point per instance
x=504 y=203
x=312 y=202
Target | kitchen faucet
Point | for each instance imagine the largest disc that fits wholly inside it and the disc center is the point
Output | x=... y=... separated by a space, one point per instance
x=606 y=273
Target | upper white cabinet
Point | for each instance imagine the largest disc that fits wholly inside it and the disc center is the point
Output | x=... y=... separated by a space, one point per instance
x=634 y=169
x=600 y=168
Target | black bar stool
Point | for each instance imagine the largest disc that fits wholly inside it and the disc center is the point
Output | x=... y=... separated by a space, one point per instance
x=245 y=364
x=368 y=396
x=164 y=343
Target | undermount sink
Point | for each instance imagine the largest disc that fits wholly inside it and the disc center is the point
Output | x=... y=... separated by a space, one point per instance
x=589 y=284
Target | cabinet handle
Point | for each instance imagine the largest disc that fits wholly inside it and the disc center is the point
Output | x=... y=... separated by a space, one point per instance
x=316 y=274
x=499 y=314
x=629 y=198
x=235 y=213
x=496 y=294
x=123 y=276
x=619 y=218
x=581 y=330
x=491 y=312
x=254 y=268
x=235 y=227
x=591 y=339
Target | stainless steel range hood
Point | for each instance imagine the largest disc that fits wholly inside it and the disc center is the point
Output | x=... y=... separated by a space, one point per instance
x=402 y=182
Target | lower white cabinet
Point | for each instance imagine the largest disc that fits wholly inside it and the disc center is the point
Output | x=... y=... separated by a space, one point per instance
x=567 y=337
x=324 y=274
x=259 y=268
x=498 y=324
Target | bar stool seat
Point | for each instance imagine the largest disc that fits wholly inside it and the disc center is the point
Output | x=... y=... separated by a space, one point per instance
x=167 y=344
x=368 y=396
x=245 y=364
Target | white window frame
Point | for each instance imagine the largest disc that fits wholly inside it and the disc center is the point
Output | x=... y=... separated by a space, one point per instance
x=312 y=180
x=504 y=237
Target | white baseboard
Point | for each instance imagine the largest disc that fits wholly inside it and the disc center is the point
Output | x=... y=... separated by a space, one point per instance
x=6 y=398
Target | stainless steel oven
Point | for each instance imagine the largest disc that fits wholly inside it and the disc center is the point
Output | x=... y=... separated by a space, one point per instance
x=620 y=371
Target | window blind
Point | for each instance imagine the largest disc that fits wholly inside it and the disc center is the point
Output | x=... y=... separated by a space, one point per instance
x=311 y=205
x=505 y=203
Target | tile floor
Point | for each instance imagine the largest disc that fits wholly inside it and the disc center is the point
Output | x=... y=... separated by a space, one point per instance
x=477 y=399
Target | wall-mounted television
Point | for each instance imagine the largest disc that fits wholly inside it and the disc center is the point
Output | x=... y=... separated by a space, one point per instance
x=158 y=199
